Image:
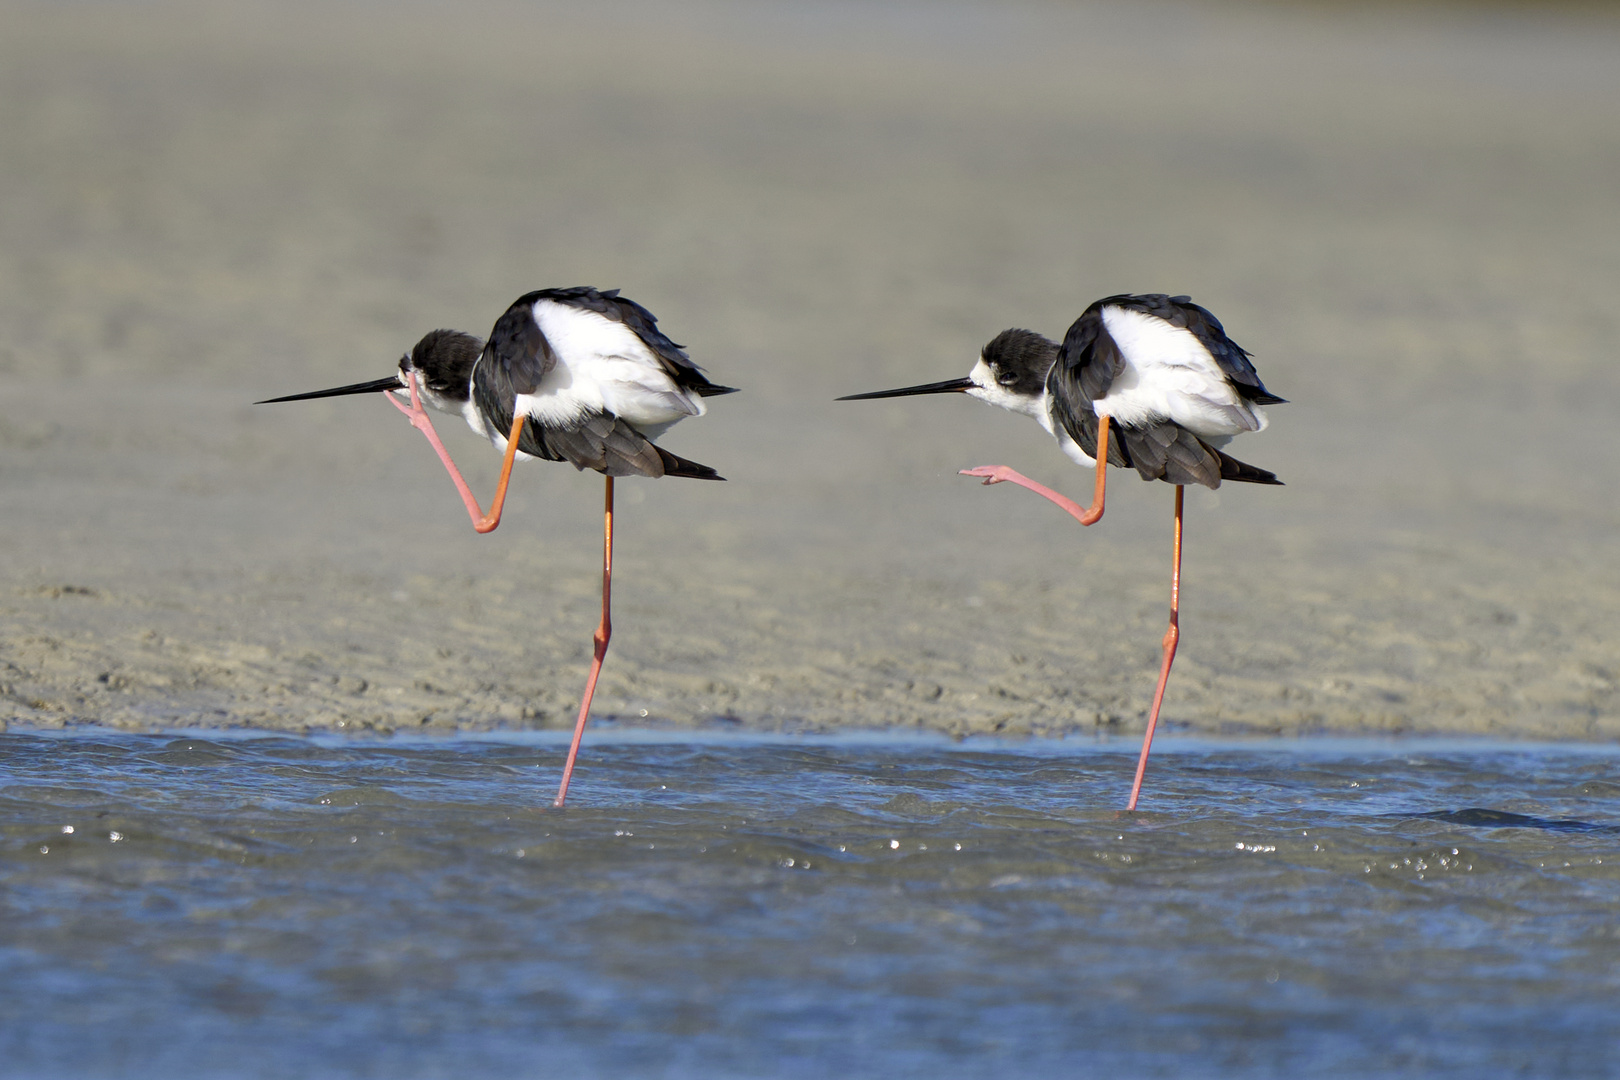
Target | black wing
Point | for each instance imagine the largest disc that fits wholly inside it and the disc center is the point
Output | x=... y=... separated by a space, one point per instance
x=611 y=447
x=641 y=322
x=517 y=355
x=1163 y=451
x=1169 y=452
x=1087 y=363
x=1071 y=411
x=1175 y=455
x=597 y=441
x=1090 y=360
x=608 y=445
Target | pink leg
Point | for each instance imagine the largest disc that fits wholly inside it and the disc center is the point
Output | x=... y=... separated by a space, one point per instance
x=603 y=633
x=996 y=474
x=1171 y=637
x=420 y=420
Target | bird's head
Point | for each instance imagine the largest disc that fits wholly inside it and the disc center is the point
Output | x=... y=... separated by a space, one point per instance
x=443 y=362
x=1012 y=371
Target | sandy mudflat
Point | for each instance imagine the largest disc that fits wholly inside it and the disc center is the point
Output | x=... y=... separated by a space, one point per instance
x=1410 y=217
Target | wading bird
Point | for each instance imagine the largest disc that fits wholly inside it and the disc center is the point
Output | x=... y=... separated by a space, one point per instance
x=1156 y=372
x=576 y=375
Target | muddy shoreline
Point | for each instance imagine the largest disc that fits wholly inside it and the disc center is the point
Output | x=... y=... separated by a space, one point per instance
x=1412 y=231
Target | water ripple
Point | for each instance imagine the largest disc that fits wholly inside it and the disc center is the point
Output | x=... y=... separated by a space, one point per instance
x=866 y=907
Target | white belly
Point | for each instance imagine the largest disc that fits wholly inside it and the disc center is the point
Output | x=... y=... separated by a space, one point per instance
x=1065 y=441
x=1075 y=454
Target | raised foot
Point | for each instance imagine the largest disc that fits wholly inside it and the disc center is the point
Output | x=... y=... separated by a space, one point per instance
x=997 y=474
x=413 y=412
x=992 y=474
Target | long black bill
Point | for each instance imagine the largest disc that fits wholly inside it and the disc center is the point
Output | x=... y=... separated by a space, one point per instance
x=372 y=387
x=949 y=386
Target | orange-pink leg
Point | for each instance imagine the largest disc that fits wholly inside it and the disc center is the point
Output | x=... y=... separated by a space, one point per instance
x=419 y=419
x=996 y=474
x=1171 y=637
x=603 y=633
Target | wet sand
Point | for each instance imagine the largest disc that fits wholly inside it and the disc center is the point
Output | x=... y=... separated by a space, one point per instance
x=1409 y=216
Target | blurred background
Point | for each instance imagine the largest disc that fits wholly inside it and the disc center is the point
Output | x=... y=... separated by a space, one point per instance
x=1409 y=214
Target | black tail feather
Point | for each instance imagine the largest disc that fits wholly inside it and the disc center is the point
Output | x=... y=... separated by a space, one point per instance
x=711 y=390
x=1233 y=469
x=675 y=465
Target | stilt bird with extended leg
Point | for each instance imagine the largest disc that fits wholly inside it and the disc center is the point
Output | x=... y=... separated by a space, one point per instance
x=577 y=375
x=1150 y=382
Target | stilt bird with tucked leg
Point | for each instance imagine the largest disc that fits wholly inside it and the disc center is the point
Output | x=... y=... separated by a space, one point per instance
x=1150 y=382
x=577 y=375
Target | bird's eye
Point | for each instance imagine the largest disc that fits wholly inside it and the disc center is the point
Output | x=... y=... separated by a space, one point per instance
x=1006 y=377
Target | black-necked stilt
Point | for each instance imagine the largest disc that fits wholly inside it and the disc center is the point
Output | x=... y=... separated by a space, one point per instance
x=1157 y=370
x=576 y=375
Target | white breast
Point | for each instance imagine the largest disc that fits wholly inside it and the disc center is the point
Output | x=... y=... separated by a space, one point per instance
x=602 y=366
x=1170 y=375
x=1043 y=412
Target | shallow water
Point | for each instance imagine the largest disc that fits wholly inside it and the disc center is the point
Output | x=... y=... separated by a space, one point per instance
x=718 y=906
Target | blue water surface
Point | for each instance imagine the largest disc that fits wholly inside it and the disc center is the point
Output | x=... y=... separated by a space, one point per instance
x=723 y=905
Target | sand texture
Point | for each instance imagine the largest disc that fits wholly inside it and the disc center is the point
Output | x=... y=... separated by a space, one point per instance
x=1410 y=216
